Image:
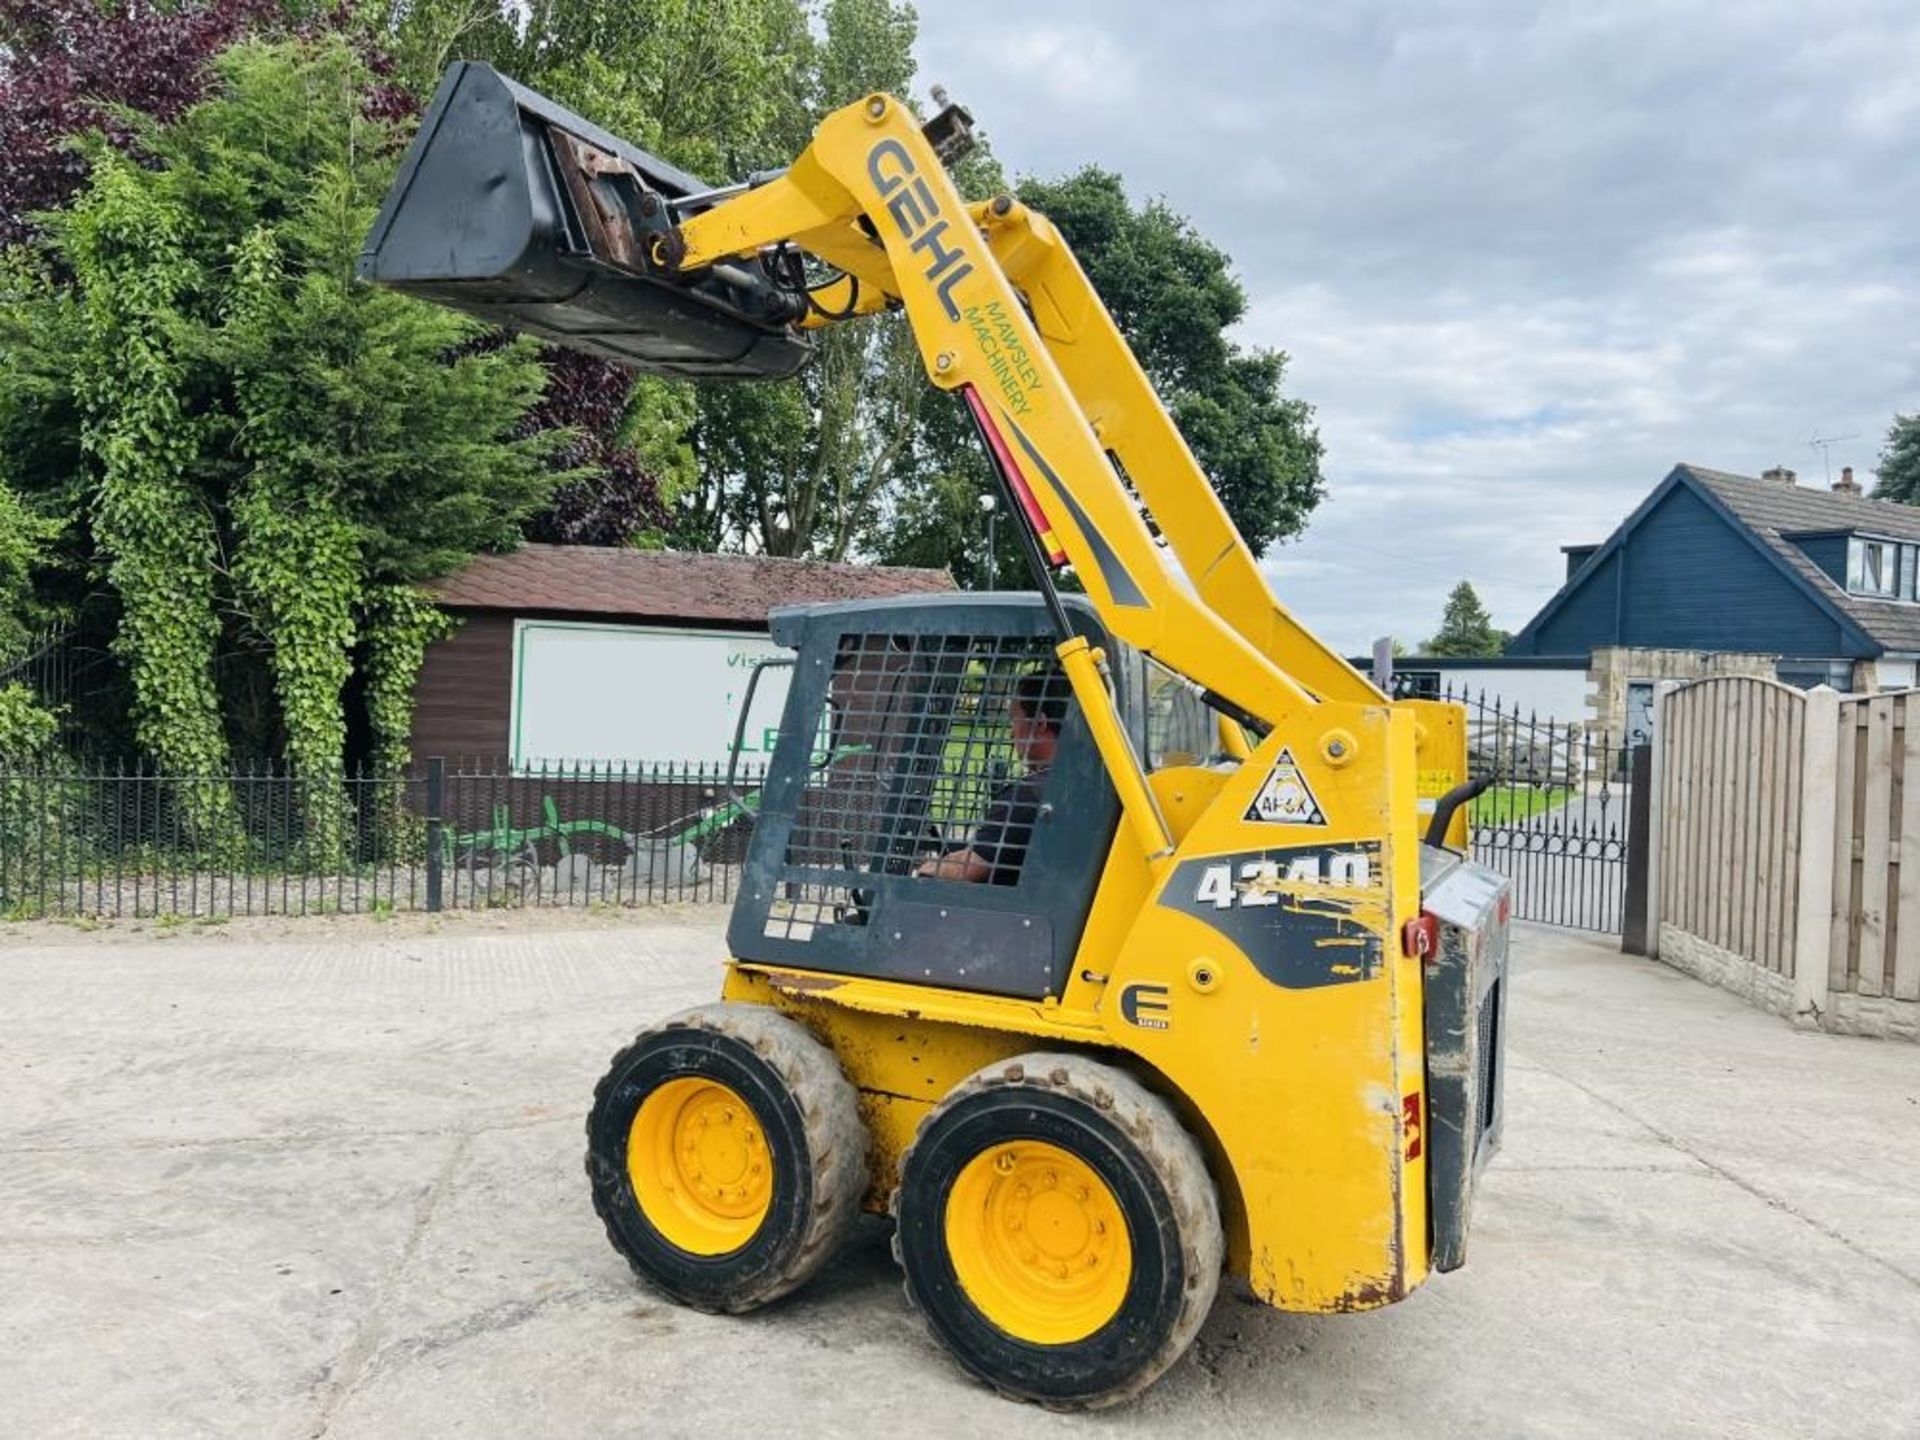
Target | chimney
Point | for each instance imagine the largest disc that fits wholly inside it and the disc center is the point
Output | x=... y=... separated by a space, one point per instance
x=1846 y=484
x=1779 y=474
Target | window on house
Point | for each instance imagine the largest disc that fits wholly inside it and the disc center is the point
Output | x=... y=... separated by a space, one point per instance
x=1805 y=674
x=1909 y=561
x=1873 y=567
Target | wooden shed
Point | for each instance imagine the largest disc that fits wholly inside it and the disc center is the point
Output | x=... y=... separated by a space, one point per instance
x=572 y=654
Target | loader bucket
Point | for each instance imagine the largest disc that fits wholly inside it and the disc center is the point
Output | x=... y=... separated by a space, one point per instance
x=514 y=209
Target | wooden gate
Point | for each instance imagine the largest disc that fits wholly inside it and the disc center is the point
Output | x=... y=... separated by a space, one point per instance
x=1729 y=815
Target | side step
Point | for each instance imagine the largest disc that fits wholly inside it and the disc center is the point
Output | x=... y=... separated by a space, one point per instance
x=514 y=209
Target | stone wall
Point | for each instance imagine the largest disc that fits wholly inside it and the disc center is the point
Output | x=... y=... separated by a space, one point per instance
x=1878 y=1016
x=1614 y=667
x=1706 y=961
x=1874 y=1015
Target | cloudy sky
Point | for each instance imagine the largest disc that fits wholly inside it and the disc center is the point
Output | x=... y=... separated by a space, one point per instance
x=1524 y=257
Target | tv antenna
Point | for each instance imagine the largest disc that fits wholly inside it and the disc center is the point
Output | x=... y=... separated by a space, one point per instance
x=1824 y=444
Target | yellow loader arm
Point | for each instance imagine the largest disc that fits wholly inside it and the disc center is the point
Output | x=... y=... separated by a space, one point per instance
x=1004 y=314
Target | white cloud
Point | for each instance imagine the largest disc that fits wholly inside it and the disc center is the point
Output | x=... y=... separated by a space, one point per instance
x=1072 y=64
x=1524 y=256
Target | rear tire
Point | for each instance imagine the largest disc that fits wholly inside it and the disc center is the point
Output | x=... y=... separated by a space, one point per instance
x=1006 y=1231
x=726 y=1156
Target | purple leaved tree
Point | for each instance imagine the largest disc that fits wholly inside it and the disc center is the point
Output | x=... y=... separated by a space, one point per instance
x=66 y=64
x=616 y=498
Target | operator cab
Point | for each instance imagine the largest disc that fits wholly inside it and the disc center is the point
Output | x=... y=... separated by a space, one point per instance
x=897 y=746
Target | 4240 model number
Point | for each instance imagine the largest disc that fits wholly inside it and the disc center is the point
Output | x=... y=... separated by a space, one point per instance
x=1249 y=883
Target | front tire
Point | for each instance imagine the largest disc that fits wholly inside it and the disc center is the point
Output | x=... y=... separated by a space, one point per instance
x=1058 y=1231
x=726 y=1156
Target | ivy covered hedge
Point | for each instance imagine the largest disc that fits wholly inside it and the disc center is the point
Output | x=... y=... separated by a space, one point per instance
x=256 y=453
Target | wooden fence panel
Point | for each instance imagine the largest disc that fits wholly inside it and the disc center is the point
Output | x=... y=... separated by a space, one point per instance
x=1877 y=912
x=1763 y=935
x=1905 y=936
x=1676 y=860
x=1846 y=811
x=1793 y=747
x=1875 y=838
x=1730 y=836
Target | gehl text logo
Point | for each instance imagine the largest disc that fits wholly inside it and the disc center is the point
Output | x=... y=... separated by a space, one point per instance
x=914 y=210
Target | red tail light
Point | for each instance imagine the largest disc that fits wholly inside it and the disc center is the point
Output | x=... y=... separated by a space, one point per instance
x=1420 y=937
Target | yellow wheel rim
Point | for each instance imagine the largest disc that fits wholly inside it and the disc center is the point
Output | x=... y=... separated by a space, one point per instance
x=698 y=1161
x=1038 y=1242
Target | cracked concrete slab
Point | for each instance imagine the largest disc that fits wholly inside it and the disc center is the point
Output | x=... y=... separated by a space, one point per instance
x=325 y=1181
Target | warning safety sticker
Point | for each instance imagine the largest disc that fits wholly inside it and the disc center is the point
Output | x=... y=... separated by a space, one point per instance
x=1286 y=798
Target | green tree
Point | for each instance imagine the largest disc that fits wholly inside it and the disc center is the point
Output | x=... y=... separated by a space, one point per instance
x=26 y=728
x=1899 y=473
x=804 y=469
x=1465 y=627
x=719 y=87
x=23 y=536
x=933 y=515
x=263 y=447
x=801 y=469
x=1173 y=295
x=126 y=243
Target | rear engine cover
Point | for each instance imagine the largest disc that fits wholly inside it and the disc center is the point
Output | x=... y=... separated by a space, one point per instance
x=1466 y=1024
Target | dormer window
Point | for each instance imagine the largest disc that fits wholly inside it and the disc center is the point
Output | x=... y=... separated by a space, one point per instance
x=1873 y=568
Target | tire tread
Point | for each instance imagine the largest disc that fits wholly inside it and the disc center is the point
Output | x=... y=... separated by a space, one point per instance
x=1164 y=1143
x=837 y=1139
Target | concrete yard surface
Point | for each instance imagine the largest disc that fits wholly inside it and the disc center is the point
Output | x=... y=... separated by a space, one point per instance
x=325 y=1180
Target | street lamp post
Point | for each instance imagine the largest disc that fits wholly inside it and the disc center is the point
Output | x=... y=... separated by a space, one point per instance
x=990 y=508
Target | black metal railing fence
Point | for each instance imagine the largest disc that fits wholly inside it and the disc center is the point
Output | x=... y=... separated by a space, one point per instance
x=47 y=665
x=1555 y=819
x=83 y=841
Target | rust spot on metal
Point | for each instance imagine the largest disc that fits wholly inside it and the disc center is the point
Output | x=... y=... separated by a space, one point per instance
x=793 y=983
x=1364 y=1295
x=594 y=180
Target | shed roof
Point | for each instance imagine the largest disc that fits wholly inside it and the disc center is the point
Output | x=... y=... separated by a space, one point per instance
x=668 y=585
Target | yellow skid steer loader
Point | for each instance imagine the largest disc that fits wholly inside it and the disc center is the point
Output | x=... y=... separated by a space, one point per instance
x=1095 y=939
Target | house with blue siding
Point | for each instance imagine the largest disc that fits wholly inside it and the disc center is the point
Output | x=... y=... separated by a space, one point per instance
x=1746 y=574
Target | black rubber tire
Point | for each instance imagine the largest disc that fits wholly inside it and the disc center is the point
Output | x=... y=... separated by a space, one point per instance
x=1157 y=1173
x=806 y=1108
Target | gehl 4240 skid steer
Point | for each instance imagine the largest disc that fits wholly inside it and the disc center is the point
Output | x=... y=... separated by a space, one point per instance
x=1094 y=938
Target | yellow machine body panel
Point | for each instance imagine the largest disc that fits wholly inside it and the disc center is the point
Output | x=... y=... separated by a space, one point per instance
x=1305 y=1094
x=1440 y=730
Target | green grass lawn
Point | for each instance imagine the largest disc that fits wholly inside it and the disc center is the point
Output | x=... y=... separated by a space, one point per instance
x=1505 y=803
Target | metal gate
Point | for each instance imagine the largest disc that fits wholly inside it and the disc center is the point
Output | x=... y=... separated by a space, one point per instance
x=1555 y=819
